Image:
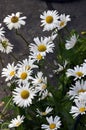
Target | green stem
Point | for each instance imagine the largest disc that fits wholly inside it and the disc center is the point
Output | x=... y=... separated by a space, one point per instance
x=67 y=30
x=2 y=126
x=60 y=38
x=17 y=33
x=3 y=111
x=1 y=61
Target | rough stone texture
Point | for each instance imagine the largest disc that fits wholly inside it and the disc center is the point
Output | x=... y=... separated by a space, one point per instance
x=32 y=9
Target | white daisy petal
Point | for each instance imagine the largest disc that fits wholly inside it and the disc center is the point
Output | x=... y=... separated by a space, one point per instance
x=54 y=123
x=14 y=21
x=16 y=121
x=23 y=95
x=5 y=45
x=49 y=20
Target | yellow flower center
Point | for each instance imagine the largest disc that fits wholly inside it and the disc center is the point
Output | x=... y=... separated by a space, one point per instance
x=12 y=73
x=4 y=44
x=52 y=126
x=25 y=94
x=81 y=90
x=27 y=67
x=83 y=33
x=18 y=123
x=82 y=109
x=44 y=86
x=14 y=19
x=44 y=113
x=39 y=80
x=42 y=48
x=49 y=19
x=23 y=76
x=39 y=57
x=79 y=74
x=61 y=23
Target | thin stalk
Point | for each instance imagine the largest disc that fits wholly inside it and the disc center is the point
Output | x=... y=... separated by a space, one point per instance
x=4 y=125
x=1 y=61
x=4 y=109
x=60 y=38
x=67 y=30
x=19 y=34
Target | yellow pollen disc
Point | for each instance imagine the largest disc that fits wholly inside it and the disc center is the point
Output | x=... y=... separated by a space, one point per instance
x=40 y=80
x=83 y=33
x=42 y=48
x=82 y=109
x=44 y=113
x=81 y=90
x=4 y=44
x=39 y=57
x=25 y=94
x=79 y=74
x=12 y=73
x=23 y=76
x=49 y=19
x=14 y=19
x=27 y=67
x=44 y=86
x=52 y=126
x=18 y=123
x=61 y=23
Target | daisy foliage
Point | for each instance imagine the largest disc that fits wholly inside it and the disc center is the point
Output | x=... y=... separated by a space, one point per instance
x=45 y=85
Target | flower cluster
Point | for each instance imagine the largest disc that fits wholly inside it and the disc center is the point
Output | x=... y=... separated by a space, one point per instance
x=35 y=103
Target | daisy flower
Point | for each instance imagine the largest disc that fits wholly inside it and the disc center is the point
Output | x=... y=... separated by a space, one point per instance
x=16 y=121
x=9 y=72
x=81 y=97
x=40 y=84
x=85 y=60
x=23 y=95
x=84 y=64
x=77 y=72
x=43 y=95
x=71 y=43
x=60 y=67
x=28 y=64
x=63 y=21
x=54 y=123
x=39 y=79
x=36 y=56
x=49 y=20
x=1 y=31
x=79 y=108
x=23 y=75
x=52 y=37
x=5 y=45
x=44 y=113
x=42 y=87
x=75 y=90
x=42 y=46
x=14 y=21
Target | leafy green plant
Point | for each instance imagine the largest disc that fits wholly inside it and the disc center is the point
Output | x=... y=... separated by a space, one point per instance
x=33 y=103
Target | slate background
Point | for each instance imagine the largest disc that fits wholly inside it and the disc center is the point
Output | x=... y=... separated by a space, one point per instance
x=32 y=9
